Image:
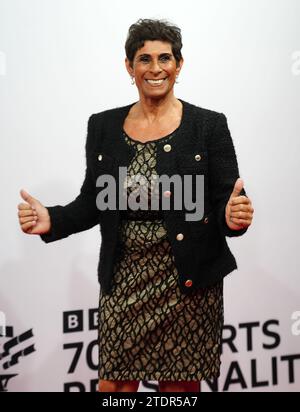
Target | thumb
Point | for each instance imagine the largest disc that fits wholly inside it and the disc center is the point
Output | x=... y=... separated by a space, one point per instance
x=238 y=186
x=27 y=197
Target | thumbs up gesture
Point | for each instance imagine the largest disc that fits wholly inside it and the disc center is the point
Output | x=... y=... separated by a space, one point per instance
x=239 y=210
x=34 y=218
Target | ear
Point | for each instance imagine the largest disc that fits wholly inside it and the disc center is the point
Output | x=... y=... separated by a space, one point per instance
x=129 y=67
x=181 y=61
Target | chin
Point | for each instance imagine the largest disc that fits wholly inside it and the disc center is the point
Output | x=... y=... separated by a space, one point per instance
x=157 y=95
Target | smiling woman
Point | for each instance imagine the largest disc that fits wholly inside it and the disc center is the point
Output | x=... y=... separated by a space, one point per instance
x=163 y=58
x=161 y=276
x=154 y=60
x=154 y=69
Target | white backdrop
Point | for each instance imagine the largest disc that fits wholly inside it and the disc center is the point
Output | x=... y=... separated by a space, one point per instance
x=62 y=60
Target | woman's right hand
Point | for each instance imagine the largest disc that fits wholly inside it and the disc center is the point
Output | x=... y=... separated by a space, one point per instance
x=34 y=218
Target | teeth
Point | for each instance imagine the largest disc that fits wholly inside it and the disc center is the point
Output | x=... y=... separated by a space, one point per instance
x=156 y=81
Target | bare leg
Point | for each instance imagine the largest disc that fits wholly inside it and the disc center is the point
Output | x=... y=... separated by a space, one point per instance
x=179 y=386
x=118 y=386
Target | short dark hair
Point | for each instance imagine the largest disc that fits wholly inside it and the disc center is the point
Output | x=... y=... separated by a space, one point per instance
x=148 y=29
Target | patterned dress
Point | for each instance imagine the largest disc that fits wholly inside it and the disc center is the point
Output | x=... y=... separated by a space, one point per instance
x=149 y=330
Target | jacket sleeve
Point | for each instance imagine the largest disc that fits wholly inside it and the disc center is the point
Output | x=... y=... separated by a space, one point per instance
x=223 y=173
x=82 y=213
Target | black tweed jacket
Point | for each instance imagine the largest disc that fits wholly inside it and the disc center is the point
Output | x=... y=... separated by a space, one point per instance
x=202 y=256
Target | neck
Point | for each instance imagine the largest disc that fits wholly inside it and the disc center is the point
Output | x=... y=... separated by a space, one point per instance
x=153 y=109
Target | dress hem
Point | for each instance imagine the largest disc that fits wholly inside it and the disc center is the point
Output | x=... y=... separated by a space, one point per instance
x=157 y=376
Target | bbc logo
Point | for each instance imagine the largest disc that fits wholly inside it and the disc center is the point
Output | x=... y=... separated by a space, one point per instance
x=75 y=321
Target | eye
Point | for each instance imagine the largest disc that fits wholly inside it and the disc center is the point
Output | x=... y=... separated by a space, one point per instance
x=165 y=58
x=144 y=59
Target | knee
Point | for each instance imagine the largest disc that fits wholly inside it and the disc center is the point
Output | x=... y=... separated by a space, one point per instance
x=128 y=386
x=170 y=386
x=179 y=386
x=107 y=386
x=118 y=386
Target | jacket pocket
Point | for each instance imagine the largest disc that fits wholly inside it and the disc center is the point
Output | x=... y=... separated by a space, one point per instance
x=206 y=237
x=195 y=162
x=102 y=163
x=206 y=227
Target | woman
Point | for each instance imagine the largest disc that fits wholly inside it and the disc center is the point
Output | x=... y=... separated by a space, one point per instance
x=161 y=274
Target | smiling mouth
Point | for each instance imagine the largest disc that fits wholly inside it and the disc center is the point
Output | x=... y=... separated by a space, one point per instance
x=158 y=82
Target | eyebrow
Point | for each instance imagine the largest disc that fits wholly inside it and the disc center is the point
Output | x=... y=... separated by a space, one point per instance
x=149 y=55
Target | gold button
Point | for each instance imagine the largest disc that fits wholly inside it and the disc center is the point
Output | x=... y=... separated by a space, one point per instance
x=179 y=236
x=100 y=157
x=167 y=147
x=188 y=283
x=167 y=193
x=206 y=220
x=197 y=157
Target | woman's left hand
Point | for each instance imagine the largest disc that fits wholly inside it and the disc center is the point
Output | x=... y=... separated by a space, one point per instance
x=239 y=210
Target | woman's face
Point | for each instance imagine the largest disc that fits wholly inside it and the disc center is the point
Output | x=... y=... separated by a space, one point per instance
x=154 y=69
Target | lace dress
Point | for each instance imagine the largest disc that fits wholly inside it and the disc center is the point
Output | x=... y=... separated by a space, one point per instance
x=149 y=330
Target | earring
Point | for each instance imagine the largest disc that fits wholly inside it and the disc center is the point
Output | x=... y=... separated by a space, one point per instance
x=176 y=80
x=132 y=80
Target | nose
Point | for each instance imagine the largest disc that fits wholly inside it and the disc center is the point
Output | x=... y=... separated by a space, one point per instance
x=155 y=67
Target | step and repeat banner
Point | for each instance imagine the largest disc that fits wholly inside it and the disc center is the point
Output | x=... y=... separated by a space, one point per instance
x=61 y=61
